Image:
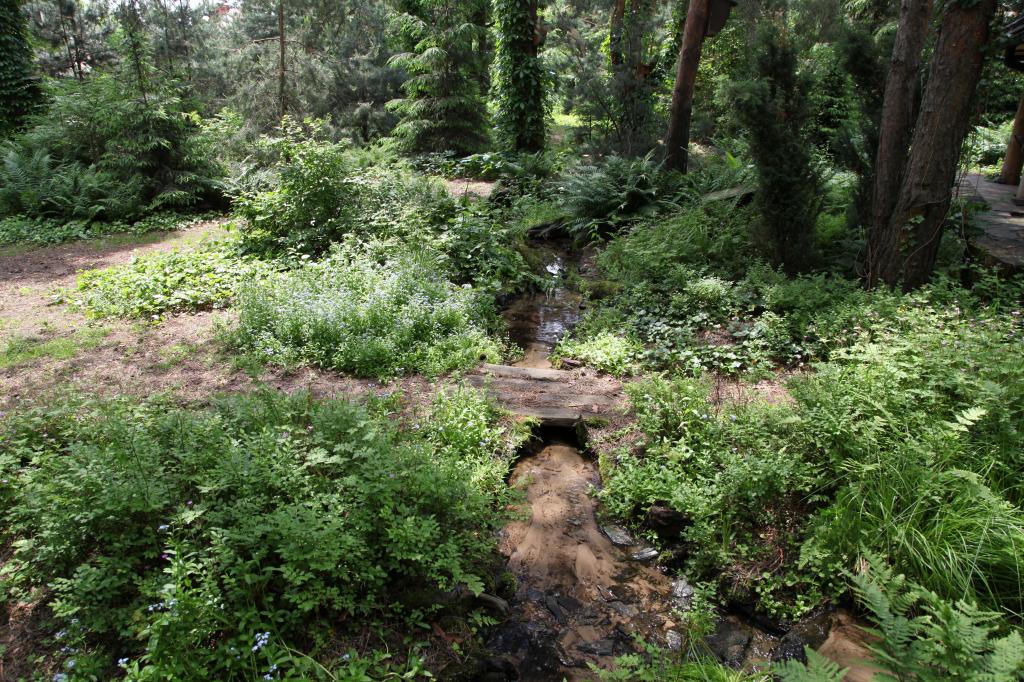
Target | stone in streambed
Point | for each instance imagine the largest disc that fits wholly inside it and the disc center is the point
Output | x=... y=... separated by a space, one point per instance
x=729 y=641
x=618 y=535
x=646 y=554
x=682 y=594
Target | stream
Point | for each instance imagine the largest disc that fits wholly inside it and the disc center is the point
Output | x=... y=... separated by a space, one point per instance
x=581 y=598
x=585 y=593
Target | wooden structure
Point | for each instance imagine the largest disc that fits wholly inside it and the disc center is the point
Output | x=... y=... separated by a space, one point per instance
x=1014 y=160
x=555 y=397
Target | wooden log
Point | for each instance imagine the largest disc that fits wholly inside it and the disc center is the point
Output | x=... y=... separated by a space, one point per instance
x=550 y=416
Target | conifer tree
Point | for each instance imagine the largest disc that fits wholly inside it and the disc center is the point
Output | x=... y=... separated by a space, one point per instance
x=519 y=81
x=443 y=109
x=16 y=91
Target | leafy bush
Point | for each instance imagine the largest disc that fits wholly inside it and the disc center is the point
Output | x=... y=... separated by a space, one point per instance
x=314 y=203
x=155 y=284
x=605 y=352
x=95 y=154
x=218 y=543
x=45 y=231
x=355 y=314
x=323 y=193
x=909 y=437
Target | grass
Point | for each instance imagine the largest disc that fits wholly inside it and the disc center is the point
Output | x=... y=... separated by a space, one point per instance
x=23 y=350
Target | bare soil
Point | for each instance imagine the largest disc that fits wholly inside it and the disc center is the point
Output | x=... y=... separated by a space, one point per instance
x=180 y=356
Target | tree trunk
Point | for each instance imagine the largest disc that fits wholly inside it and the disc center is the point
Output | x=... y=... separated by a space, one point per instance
x=1014 y=160
x=896 y=128
x=280 y=67
x=677 y=138
x=615 y=32
x=917 y=221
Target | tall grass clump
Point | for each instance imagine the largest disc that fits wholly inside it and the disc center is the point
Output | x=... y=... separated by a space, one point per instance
x=355 y=313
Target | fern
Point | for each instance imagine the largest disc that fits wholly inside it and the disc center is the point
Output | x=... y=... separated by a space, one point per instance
x=924 y=638
x=817 y=669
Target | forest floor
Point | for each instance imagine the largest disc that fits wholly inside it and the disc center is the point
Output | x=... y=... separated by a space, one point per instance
x=44 y=344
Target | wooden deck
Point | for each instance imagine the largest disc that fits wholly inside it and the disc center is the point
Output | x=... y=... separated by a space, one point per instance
x=1003 y=223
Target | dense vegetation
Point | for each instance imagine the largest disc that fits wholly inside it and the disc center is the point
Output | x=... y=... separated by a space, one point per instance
x=801 y=252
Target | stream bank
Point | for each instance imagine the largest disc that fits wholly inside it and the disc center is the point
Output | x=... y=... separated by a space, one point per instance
x=586 y=594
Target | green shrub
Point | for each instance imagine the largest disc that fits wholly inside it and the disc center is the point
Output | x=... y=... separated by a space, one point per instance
x=355 y=314
x=217 y=543
x=45 y=231
x=153 y=285
x=924 y=638
x=603 y=198
x=605 y=352
x=314 y=203
x=324 y=193
x=94 y=153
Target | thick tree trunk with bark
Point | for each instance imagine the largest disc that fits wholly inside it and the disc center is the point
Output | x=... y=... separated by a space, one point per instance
x=899 y=109
x=1014 y=159
x=915 y=227
x=677 y=138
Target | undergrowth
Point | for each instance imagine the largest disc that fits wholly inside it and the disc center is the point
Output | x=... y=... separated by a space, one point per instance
x=369 y=316
x=217 y=543
x=153 y=285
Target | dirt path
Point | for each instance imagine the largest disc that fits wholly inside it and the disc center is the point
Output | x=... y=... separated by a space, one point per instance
x=62 y=350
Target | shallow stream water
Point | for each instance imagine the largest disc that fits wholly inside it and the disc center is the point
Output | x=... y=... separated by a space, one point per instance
x=581 y=599
x=586 y=593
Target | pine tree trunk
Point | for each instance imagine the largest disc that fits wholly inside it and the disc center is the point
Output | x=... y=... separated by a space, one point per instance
x=677 y=138
x=896 y=128
x=615 y=30
x=915 y=227
x=1014 y=159
x=281 y=64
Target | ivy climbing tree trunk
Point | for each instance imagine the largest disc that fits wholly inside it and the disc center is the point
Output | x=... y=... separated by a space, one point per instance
x=519 y=82
x=16 y=92
x=899 y=109
x=677 y=138
x=905 y=251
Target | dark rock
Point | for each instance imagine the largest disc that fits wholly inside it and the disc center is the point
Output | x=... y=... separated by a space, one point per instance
x=791 y=648
x=510 y=638
x=618 y=535
x=570 y=604
x=556 y=610
x=533 y=594
x=602 y=647
x=729 y=642
x=666 y=522
x=624 y=610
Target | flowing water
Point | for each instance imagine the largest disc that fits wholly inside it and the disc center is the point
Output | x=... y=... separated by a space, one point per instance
x=581 y=598
x=585 y=593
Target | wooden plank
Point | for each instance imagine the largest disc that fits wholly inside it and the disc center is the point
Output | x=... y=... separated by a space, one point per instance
x=549 y=416
x=524 y=372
